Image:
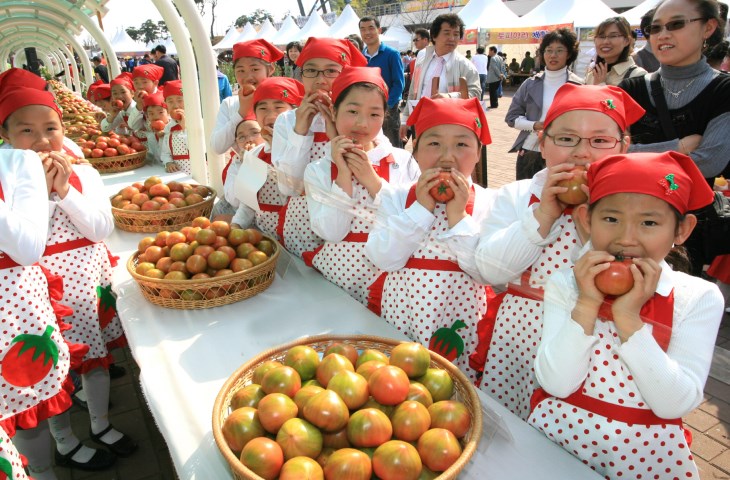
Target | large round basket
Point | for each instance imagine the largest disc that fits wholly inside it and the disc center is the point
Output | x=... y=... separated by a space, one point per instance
x=121 y=163
x=207 y=292
x=463 y=391
x=159 y=220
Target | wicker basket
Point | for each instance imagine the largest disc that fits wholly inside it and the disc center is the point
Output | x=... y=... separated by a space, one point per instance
x=121 y=163
x=159 y=220
x=207 y=292
x=463 y=391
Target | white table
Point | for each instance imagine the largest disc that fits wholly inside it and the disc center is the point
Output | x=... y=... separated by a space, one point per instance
x=185 y=356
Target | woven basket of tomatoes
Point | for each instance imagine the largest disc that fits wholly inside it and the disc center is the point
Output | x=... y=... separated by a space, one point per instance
x=153 y=206
x=356 y=407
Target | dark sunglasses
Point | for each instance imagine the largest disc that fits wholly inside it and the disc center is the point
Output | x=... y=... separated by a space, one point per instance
x=670 y=26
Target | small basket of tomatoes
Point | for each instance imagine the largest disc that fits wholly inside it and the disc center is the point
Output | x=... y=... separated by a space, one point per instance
x=112 y=153
x=355 y=407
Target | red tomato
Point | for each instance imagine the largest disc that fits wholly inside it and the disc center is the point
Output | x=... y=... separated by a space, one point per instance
x=439 y=384
x=397 y=460
x=157 y=125
x=439 y=449
x=348 y=463
x=247 y=89
x=248 y=396
x=264 y=457
x=410 y=420
x=302 y=358
x=123 y=150
x=275 y=409
x=97 y=153
x=351 y=387
x=343 y=349
x=101 y=145
x=367 y=368
x=281 y=380
x=451 y=415
x=260 y=371
x=114 y=142
x=327 y=411
x=442 y=192
x=301 y=467
x=87 y=152
x=371 y=354
x=369 y=427
x=177 y=115
x=617 y=278
x=242 y=426
x=419 y=393
x=389 y=385
x=298 y=437
x=413 y=358
x=119 y=104
x=575 y=195
x=330 y=365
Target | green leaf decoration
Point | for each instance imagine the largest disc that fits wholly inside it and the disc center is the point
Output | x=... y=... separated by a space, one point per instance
x=107 y=299
x=43 y=345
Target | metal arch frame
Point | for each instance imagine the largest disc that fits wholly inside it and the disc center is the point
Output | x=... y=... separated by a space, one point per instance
x=47 y=41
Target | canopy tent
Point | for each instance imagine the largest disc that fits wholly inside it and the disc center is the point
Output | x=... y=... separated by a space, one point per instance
x=230 y=35
x=122 y=43
x=315 y=27
x=248 y=33
x=583 y=13
x=266 y=31
x=397 y=37
x=347 y=23
x=288 y=32
x=634 y=15
x=488 y=14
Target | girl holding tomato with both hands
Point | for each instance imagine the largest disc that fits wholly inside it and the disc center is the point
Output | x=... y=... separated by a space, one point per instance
x=343 y=188
x=174 y=151
x=530 y=233
x=628 y=366
x=146 y=79
x=425 y=234
x=155 y=109
x=123 y=109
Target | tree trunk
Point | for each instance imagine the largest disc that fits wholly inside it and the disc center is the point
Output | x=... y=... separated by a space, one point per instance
x=212 y=16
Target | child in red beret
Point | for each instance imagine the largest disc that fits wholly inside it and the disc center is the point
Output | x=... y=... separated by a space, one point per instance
x=155 y=109
x=343 y=187
x=301 y=135
x=174 y=151
x=530 y=234
x=101 y=95
x=619 y=368
x=123 y=109
x=424 y=235
x=146 y=79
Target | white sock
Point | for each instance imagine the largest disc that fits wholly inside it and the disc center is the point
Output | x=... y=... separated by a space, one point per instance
x=96 y=385
x=36 y=445
x=66 y=440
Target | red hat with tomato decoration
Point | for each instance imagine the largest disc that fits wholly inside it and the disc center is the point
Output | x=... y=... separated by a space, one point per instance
x=451 y=111
x=335 y=49
x=16 y=98
x=150 y=71
x=669 y=176
x=100 y=92
x=173 y=87
x=17 y=77
x=279 y=88
x=92 y=87
x=607 y=99
x=123 y=79
x=154 y=100
x=259 y=48
x=353 y=75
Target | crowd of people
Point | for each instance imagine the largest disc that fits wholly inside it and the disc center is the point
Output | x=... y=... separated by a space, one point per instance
x=512 y=272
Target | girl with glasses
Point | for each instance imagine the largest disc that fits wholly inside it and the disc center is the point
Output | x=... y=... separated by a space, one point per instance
x=613 y=54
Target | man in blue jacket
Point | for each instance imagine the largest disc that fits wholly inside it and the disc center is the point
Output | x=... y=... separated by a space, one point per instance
x=391 y=67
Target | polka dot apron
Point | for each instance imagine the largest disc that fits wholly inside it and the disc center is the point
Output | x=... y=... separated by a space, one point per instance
x=178 y=142
x=11 y=463
x=431 y=299
x=606 y=423
x=271 y=201
x=294 y=228
x=508 y=341
x=344 y=263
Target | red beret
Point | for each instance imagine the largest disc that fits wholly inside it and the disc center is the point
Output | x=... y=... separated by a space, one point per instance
x=260 y=49
x=172 y=87
x=16 y=98
x=669 y=176
x=123 y=79
x=335 y=49
x=352 y=75
x=154 y=100
x=451 y=111
x=92 y=87
x=100 y=92
x=17 y=77
x=279 y=88
x=607 y=99
x=150 y=71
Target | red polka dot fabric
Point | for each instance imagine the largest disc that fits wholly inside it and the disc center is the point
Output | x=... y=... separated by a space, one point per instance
x=179 y=148
x=10 y=463
x=269 y=194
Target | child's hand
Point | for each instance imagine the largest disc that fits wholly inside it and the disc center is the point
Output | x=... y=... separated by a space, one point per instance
x=589 y=297
x=49 y=170
x=427 y=180
x=328 y=113
x=138 y=97
x=626 y=309
x=456 y=207
x=63 y=169
x=363 y=170
x=99 y=116
x=550 y=208
x=306 y=112
x=267 y=133
x=171 y=167
x=245 y=99
x=179 y=115
x=340 y=146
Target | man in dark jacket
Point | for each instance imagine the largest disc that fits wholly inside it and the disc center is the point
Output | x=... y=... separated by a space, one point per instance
x=170 y=65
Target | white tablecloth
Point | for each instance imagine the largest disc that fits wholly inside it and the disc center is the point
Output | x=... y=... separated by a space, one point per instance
x=185 y=356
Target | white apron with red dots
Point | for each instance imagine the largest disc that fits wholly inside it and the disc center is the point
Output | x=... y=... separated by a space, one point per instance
x=11 y=465
x=432 y=300
x=270 y=200
x=295 y=229
x=179 y=148
x=509 y=375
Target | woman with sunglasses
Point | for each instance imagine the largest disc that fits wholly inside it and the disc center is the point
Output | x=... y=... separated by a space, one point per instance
x=694 y=97
x=613 y=54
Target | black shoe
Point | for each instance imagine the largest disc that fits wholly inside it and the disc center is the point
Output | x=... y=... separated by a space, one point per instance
x=116 y=371
x=100 y=461
x=123 y=447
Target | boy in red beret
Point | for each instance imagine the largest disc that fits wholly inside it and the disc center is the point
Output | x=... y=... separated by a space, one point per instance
x=155 y=109
x=628 y=364
x=146 y=79
x=531 y=233
x=174 y=151
x=123 y=111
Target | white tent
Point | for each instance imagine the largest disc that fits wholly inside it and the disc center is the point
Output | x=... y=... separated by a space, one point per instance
x=634 y=15
x=288 y=32
x=170 y=46
x=230 y=35
x=123 y=43
x=488 y=14
x=315 y=27
x=583 y=13
x=346 y=24
x=266 y=31
x=248 y=33
x=397 y=37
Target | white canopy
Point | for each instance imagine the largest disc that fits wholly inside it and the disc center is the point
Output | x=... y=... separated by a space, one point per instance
x=123 y=43
x=315 y=27
x=634 y=15
x=347 y=23
x=170 y=46
x=288 y=32
x=248 y=33
x=583 y=13
x=397 y=37
x=230 y=35
x=488 y=14
x=266 y=31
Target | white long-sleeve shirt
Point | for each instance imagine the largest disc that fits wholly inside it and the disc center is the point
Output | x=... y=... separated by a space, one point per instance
x=164 y=143
x=89 y=211
x=670 y=382
x=133 y=118
x=224 y=133
x=24 y=211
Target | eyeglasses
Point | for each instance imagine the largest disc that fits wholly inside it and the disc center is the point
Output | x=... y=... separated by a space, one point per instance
x=670 y=26
x=555 y=52
x=612 y=37
x=569 y=140
x=314 y=73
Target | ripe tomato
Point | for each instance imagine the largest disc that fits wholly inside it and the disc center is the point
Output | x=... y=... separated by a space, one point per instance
x=451 y=415
x=264 y=457
x=371 y=354
x=242 y=426
x=410 y=420
x=248 y=396
x=118 y=104
x=413 y=358
x=348 y=463
x=298 y=437
x=247 y=89
x=442 y=192
x=439 y=384
x=157 y=125
x=389 y=385
x=281 y=380
x=301 y=467
x=617 y=278
x=336 y=439
x=575 y=195
x=367 y=368
x=439 y=449
x=343 y=349
x=275 y=409
x=302 y=358
x=397 y=460
x=260 y=371
x=369 y=427
x=303 y=395
x=330 y=365
x=97 y=153
x=351 y=387
x=419 y=393
x=327 y=411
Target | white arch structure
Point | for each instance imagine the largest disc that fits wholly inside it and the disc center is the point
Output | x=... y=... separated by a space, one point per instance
x=51 y=25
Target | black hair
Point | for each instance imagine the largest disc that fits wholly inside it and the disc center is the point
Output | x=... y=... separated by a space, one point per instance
x=566 y=37
x=161 y=48
x=493 y=49
x=369 y=19
x=96 y=58
x=451 y=19
x=363 y=86
x=716 y=53
x=423 y=33
x=646 y=21
x=355 y=40
x=480 y=51
x=624 y=28
x=708 y=10
x=290 y=45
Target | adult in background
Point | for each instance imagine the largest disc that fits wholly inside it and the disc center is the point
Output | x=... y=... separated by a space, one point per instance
x=531 y=102
x=481 y=62
x=644 y=57
x=293 y=49
x=613 y=54
x=528 y=64
x=391 y=68
x=494 y=76
x=443 y=61
x=100 y=70
x=145 y=59
x=169 y=64
x=224 y=85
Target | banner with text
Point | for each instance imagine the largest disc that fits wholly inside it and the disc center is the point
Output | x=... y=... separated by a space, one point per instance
x=523 y=34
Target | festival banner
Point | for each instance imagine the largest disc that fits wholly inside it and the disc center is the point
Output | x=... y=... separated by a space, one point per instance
x=523 y=34
x=470 y=37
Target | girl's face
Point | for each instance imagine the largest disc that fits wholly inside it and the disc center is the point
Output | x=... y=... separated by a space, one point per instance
x=120 y=92
x=105 y=104
x=448 y=147
x=141 y=83
x=35 y=127
x=248 y=135
x=251 y=71
x=635 y=225
x=586 y=124
x=682 y=46
x=612 y=45
x=324 y=67
x=175 y=102
x=268 y=110
x=360 y=116
x=155 y=112
x=556 y=56
x=293 y=54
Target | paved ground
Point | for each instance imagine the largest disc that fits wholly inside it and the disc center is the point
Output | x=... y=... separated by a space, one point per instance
x=710 y=423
